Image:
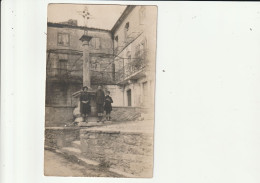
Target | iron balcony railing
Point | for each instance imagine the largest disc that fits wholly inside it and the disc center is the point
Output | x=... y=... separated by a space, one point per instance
x=130 y=69
x=102 y=77
x=63 y=74
x=97 y=77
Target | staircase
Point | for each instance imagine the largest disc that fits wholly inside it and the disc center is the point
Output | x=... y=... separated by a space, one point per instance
x=74 y=150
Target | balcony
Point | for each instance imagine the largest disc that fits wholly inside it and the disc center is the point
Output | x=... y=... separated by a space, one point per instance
x=132 y=70
x=102 y=77
x=64 y=75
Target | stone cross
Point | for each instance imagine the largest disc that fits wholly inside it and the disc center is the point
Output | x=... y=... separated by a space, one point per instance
x=85 y=43
x=86 y=15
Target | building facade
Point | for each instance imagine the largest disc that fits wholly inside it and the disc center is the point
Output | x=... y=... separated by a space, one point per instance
x=122 y=59
x=134 y=49
x=64 y=61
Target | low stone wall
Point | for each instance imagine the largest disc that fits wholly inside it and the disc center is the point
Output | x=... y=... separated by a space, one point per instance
x=125 y=113
x=58 y=116
x=129 y=152
x=57 y=137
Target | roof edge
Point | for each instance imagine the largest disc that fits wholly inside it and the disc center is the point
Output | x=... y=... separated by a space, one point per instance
x=126 y=12
x=60 y=25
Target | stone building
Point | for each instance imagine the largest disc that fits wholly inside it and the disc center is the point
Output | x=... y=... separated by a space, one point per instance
x=122 y=60
x=64 y=61
x=134 y=37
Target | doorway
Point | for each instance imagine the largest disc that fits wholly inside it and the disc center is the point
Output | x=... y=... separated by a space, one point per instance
x=129 y=98
x=145 y=93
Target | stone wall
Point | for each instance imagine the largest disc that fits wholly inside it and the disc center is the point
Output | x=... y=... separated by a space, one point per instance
x=60 y=94
x=60 y=137
x=129 y=152
x=125 y=113
x=58 y=116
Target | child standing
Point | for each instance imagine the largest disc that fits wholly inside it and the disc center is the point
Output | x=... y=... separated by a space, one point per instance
x=108 y=106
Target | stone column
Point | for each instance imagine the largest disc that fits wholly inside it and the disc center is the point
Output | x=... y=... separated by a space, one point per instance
x=86 y=60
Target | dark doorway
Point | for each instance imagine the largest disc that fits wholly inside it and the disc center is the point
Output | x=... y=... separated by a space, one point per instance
x=129 y=98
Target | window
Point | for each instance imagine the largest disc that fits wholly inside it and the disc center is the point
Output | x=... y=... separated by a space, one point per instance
x=129 y=97
x=126 y=30
x=63 y=39
x=116 y=38
x=95 y=43
x=63 y=67
x=127 y=26
x=145 y=93
x=116 y=42
x=140 y=50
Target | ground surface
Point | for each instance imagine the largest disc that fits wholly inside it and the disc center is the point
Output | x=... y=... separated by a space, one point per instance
x=145 y=126
x=58 y=165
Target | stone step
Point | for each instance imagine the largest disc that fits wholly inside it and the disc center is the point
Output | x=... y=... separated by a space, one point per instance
x=92 y=119
x=90 y=124
x=89 y=162
x=76 y=144
x=77 y=153
x=71 y=151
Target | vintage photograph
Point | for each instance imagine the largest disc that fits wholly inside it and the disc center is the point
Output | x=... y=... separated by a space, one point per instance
x=100 y=90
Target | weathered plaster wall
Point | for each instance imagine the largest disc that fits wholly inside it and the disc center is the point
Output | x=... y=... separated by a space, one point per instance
x=105 y=39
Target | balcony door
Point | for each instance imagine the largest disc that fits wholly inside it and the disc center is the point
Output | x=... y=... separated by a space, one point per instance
x=63 y=67
x=145 y=93
x=129 y=98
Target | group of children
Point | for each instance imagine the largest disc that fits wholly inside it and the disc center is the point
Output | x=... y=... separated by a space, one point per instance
x=103 y=104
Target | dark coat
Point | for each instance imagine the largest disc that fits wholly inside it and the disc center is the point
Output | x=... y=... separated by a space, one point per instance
x=100 y=97
x=85 y=107
x=108 y=101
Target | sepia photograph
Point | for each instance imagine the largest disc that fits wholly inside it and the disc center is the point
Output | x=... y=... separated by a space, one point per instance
x=130 y=92
x=100 y=90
